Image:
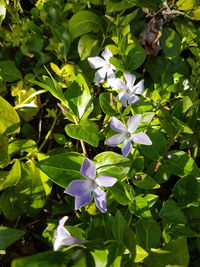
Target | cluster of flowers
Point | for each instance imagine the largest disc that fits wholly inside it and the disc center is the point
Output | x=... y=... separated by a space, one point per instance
x=83 y=190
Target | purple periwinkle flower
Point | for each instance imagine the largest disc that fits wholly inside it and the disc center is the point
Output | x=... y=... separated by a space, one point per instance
x=129 y=92
x=127 y=136
x=104 y=66
x=63 y=237
x=82 y=190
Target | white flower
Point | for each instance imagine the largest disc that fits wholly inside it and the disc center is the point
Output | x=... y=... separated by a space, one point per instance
x=129 y=91
x=63 y=237
x=104 y=66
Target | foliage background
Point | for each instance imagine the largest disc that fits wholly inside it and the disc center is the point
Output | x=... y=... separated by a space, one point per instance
x=153 y=210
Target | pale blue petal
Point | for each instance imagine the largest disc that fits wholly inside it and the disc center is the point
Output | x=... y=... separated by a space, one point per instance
x=77 y=187
x=126 y=147
x=61 y=231
x=110 y=74
x=141 y=138
x=105 y=181
x=133 y=123
x=67 y=241
x=139 y=88
x=100 y=75
x=116 y=84
x=133 y=99
x=106 y=54
x=115 y=140
x=117 y=125
x=82 y=200
x=88 y=169
x=100 y=199
x=96 y=62
x=122 y=98
x=130 y=79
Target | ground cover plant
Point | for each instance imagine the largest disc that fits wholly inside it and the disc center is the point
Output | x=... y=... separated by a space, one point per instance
x=99 y=133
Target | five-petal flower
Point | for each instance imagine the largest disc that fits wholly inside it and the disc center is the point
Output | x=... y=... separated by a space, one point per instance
x=129 y=91
x=63 y=237
x=104 y=66
x=127 y=135
x=82 y=189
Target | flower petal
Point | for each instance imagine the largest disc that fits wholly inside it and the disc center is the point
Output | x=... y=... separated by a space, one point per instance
x=82 y=200
x=141 y=138
x=88 y=169
x=116 y=84
x=117 y=125
x=77 y=187
x=110 y=73
x=96 y=62
x=122 y=98
x=67 y=241
x=133 y=99
x=126 y=147
x=115 y=140
x=130 y=79
x=133 y=123
x=106 y=54
x=106 y=181
x=100 y=75
x=100 y=199
x=139 y=88
x=61 y=231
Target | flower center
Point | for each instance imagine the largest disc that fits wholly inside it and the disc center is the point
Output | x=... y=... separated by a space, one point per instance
x=93 y=184
x=128 y=135
x=127 y=90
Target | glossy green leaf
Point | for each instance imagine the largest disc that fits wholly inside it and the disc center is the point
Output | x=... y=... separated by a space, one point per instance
x=86 y=130
x=86 y=45
x=108 y=107
x=118 y=227
x=140 y=207
x=174 y=253
x=9 y=119
x=8 y=71
x=112 y=164
x=9 y=236
x=118 y=192
x=135 y=56
x=171 y=43
x=22 y=145
x=186 y=190
x=10 y=178
x=141 y=254
x=148 y=233
x=185 y=5
x=83 y=22
x=4 y=157
x=171 y=213
x=146 y=182
x=62 y=168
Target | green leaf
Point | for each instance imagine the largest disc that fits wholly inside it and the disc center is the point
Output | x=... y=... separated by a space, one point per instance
x=118 y=227
x=146 y=183
x=185 y=4
x=33 y=188
x=141 y=254
x=44 y=259
x=9 y=119
x=135 y=56
x=112 y=164
x=9 y=236
x=100 y=257
x=148 y=233
x=10 y=178
x=170 y=43
x=22 y=145
x=106 y=104
x=8 y=71
x=174 y=253
x=186 y=190
x=84 y=22
x=62 y=168
x=4 y=157
x=86 y=130
x=86 y=45
x=60 y=138
x=171 y=213
x=78 y=96
x=118 y=192
x=140 y=207
x=113 y=5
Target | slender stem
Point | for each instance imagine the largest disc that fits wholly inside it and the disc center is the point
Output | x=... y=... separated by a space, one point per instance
x=48 y=134
x=81 y=141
